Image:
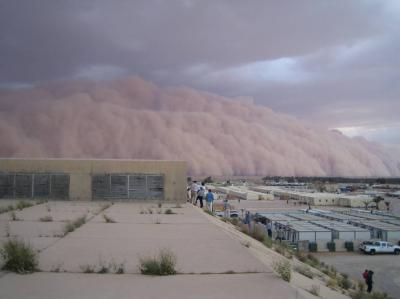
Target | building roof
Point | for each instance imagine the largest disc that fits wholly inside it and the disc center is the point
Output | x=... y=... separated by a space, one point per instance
x=303 y=226
x=379 y=225
x=304 y=216
x=369 y=216
x=340 y=226
x=334 y=215
x=276 y=216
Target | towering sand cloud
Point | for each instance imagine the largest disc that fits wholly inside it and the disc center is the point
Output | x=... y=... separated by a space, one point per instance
x=132 y=118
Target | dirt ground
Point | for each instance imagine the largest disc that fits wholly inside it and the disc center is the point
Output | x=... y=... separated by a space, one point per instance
x=386 y=268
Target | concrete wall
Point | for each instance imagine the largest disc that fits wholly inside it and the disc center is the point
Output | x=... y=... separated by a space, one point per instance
x=80 y=171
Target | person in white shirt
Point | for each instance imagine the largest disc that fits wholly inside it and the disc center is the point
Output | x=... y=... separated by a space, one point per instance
x=194 y=188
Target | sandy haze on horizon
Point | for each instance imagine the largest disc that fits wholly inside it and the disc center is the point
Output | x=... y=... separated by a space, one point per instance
x=135 y=119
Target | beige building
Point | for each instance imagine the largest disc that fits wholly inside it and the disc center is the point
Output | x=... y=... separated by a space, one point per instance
x=80 y=179
x=317 y=198
x=355 y=201
x=243 y=193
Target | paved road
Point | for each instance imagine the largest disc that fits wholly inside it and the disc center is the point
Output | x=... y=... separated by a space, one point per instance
x=385 y=267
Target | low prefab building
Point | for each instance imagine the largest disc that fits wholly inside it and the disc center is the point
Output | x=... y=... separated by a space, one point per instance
x=267 y=193
x=259 y=195
x=367 y=215
x=304 y=216
x=332 y=215
x=323 y=199
x=380 y=230
x=274 y=217
x=354 y=201
x=221 y=189
x=295 y=231
x=316 y=198
x=93 y=179
x=344 y=231
x=242 y=194
x=392 y=221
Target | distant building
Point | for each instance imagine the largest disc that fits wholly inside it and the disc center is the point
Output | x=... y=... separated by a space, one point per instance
x=317 y=198
x=79 y=179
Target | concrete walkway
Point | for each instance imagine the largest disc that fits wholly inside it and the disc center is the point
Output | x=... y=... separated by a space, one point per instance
x=105 y=286
x=198 y=245
x=205 y=251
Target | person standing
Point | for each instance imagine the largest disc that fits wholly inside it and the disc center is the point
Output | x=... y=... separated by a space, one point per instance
x=369 y=281
x=247 y=220
x=193 y=192
x=200 y=194
x=280 y=234
x=188 y=194
x=365 y=275
x=210 y=200
x=269 y=229
x=226 y=208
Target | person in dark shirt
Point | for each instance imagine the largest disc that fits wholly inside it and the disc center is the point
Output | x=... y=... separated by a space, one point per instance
x=369 y=281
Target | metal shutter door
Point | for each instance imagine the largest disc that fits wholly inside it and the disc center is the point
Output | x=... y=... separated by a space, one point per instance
x=7 y=185
x=23 y=185
x=155 y=187
x=41 y=185
x=60 y=186
x=100 y=186
x=137 y=187
x=119 y=186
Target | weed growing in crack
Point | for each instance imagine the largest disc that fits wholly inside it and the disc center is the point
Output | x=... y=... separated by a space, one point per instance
x=108 y=219
x=47 y=218
x=88 y=268
x=304 y=270
x=315 y=290
x=284 y=269
x=162 y=264
x=23 y=204
x=19 y=257
x=71 y=226
x=117 y=268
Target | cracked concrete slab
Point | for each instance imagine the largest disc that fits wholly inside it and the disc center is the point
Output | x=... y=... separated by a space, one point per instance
x=199 y=247
x=99 y=286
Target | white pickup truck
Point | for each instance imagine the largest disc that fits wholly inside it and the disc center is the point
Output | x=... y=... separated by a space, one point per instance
x=379 y=247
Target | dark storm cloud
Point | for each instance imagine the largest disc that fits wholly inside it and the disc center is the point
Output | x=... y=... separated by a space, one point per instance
x=334 y=63
x=44 y=39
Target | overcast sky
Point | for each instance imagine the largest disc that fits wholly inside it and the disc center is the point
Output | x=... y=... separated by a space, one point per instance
x=334 y=64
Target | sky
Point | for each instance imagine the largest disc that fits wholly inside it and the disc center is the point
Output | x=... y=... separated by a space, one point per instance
x=331 y=64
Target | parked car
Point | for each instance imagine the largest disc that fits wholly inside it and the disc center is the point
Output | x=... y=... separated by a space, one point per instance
x=379 y=247
x=233 y=213
x=219 y=213
x=361 y=246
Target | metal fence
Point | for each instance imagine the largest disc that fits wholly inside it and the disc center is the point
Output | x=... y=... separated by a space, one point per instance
x=128 y=186
x=34 y=185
